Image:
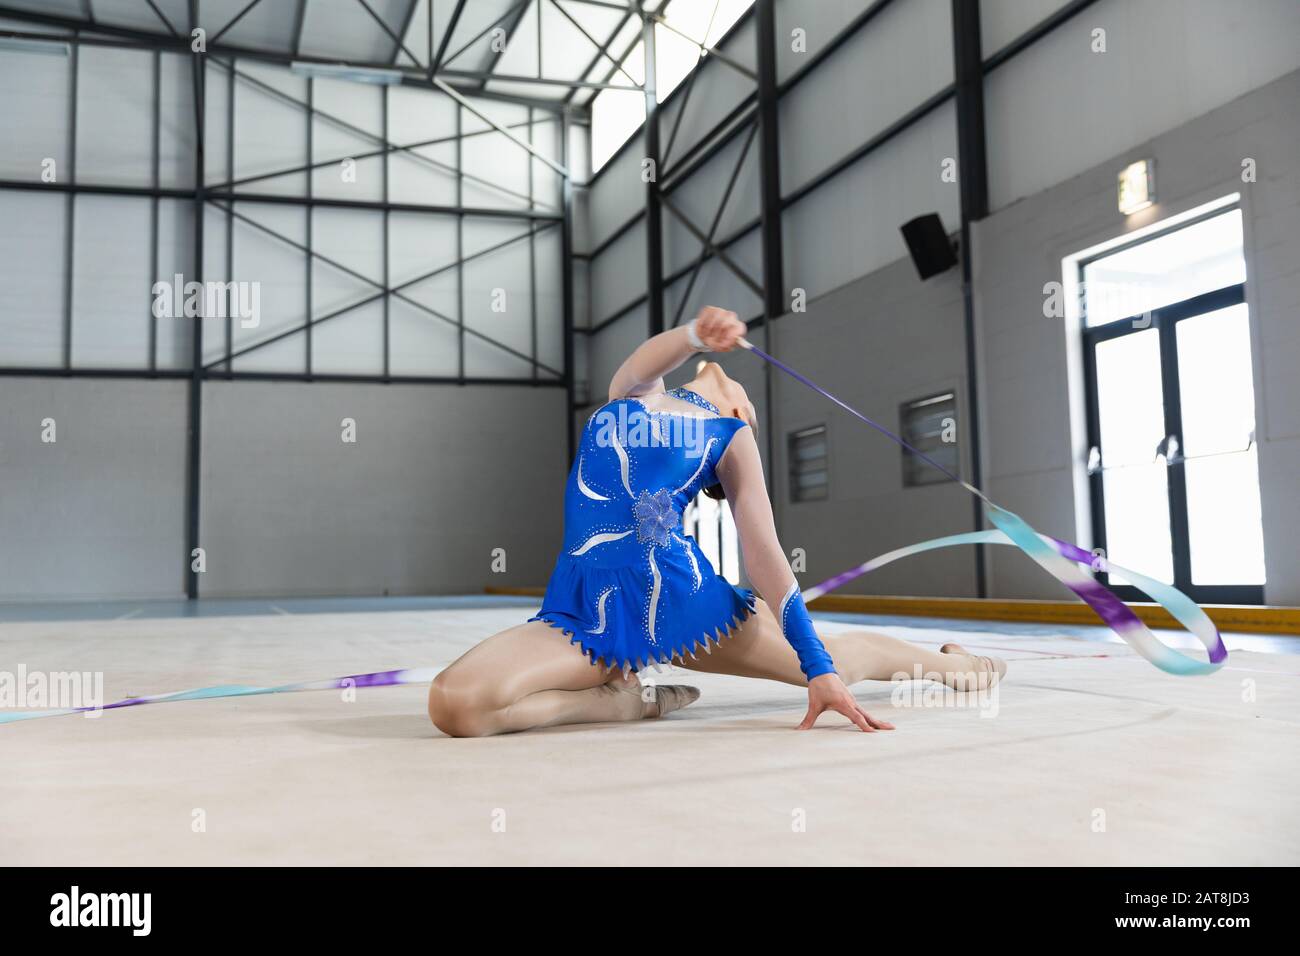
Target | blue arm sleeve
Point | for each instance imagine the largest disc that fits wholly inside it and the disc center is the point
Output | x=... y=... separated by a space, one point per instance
x=798 y=629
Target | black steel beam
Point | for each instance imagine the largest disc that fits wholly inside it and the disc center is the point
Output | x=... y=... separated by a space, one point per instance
x=972 y=179
x=769 y=155
x=406 y=25
x=566 y=294
x=414 y=303
x=773 y=255
x=436 y=60
x=603 y=51
x=904 y=122
x=70 y=212
x=510 y=35
x=668 y=101
x=392 y=35
x=309 y=261
x=155 y=166
x=654 y=235
x=194 y=437
x=715 y=250
x=1036 y=33
x=235 y=19
x=145 y=375
x=505 y=15
x=484 y=211
x=299 y=19
x=484 y=76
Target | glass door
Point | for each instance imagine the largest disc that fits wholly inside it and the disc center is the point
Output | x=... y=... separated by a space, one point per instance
x=1172 y=466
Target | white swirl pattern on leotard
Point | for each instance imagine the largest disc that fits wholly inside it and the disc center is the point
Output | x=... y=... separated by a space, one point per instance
x=598 y=539
x=695 y=565
x=704 y=460
x=622 y=464
x=654 y=595
x=600 y=611
x=582 y=486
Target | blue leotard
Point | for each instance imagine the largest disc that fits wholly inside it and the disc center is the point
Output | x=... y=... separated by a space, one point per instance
x=630 y=588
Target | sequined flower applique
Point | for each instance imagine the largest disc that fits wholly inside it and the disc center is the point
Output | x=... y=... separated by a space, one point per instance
x=656 y=517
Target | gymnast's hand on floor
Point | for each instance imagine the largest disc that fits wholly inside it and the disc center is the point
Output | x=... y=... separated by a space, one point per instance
x=828 y=692
x=719 y=329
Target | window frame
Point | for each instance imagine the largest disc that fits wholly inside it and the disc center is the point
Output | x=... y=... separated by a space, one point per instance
x=1165 y=320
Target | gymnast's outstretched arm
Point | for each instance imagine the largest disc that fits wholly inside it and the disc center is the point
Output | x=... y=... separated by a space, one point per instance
x=741 y=472
x=643 y=373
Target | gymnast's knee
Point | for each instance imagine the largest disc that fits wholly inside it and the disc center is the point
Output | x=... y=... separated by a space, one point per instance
x=455 y=707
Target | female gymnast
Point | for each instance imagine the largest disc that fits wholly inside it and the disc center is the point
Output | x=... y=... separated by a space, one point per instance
x=630 y=590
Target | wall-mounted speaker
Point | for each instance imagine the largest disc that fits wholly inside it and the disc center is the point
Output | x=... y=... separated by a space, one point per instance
x=932 y=251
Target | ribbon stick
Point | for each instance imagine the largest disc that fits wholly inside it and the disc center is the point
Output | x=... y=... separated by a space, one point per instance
x=418 y=675
x=1059 y=558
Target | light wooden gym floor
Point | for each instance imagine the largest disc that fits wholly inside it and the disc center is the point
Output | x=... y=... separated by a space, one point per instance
x=1087 y=755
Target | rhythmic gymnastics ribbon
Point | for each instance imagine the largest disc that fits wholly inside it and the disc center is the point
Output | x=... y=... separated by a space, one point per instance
x=1059 y=558
x=418 y=675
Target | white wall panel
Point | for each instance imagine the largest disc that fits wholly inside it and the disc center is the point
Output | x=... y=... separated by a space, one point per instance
x=718 y=285
x=422 y=344
x=220 y=90
x=112 y=281
x=608 y=348
x=1002 y=21
x=353 y=127
x=31 y=278
x=415 y=116
x=548 y=185
x=352 y=342
x=114 y=116
x=890 y=66
x=820 y=20
x=617 y=194
x=270 y=133
x=719 y=88
x=849 y=226
x=701 y=195
x=618 y=275
x=493 y=157
x=550 y=298
x=176 y=123
x=1058 y=108
x=498 y=300
x=175 y=254
x=217 y=266
x=281 y=271
x=34 y=114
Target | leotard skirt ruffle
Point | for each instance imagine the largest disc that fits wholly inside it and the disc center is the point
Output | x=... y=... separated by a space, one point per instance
x=620 y=619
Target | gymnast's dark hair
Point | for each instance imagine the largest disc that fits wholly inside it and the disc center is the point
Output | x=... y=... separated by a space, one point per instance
x=716 y=492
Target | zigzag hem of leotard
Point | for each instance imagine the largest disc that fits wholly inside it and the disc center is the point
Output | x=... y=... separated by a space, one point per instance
x=704 y=643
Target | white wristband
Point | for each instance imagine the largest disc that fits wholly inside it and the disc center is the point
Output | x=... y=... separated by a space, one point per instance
x=693 y=337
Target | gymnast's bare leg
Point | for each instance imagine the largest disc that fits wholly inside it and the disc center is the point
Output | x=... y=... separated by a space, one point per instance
x=530 y=676
x=758 y=649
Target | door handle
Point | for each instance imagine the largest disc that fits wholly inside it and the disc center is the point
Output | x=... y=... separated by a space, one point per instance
x=1094 y=461
x=1170 y=450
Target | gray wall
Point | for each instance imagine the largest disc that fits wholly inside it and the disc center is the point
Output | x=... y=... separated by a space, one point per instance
x=1033 y=454
x=438 y=478
x=101 y=511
